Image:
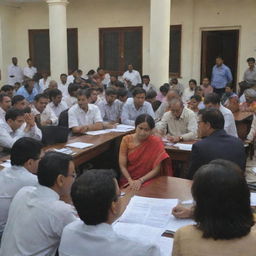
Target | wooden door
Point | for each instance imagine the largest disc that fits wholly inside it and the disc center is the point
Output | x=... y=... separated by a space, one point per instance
x=120 y=47
x=224 y=43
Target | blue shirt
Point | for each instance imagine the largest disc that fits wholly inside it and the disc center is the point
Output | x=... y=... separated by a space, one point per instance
x=221 y=76
x=29 y=97
x=130 y=113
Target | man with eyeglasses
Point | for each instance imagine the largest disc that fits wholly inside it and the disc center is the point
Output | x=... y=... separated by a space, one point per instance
x=179 y=124
x=96 y=196
x=37 y=216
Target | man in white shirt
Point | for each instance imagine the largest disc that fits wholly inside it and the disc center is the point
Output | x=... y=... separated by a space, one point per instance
x=179 y=124
x=37 y=216
x=56 y=103
x=110 y=107
x=84 y=117
x=42 y=112
x=146 y=85
x=63 y=84
x=5 y=104
x=132 y=76
x=72 y=76
x=135 y=107
x=15 y=73
x=18 y=125
x=96 y=197
x=25 y=155
x=212 y=100
x=189 y=91
x=29 y=71
x=44 y=82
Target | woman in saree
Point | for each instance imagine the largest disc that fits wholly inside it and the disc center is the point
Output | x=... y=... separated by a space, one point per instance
x=142 y=154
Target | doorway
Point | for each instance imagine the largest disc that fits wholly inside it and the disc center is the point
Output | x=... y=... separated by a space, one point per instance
x=220 y=42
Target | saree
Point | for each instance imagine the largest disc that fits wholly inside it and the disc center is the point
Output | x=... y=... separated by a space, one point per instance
x=145 y=157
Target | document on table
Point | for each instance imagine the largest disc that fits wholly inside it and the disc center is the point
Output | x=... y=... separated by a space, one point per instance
x=165 y=244
x=149 y=211
x=80 y=145
x=119 y=128
x=182 y=146
x=253 y=198
x=99 y=132
x=174 y=224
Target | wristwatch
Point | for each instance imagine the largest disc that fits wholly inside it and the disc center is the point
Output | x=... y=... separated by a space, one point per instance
x=180 y=138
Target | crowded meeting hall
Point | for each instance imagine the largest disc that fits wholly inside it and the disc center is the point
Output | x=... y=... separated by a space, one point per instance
x=126 y=134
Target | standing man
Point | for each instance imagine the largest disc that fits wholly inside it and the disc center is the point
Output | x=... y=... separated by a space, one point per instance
x=132 y=76
x=221 y=76
x=29 y=71
x=15 y=73
x=63 y=84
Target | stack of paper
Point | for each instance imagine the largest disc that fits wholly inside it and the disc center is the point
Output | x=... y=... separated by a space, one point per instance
x=182 y=146
x=79 y=145
x=119 y=128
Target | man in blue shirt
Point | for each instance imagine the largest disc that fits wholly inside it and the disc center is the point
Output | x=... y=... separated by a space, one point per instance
x=28 y=91
x=221 y=76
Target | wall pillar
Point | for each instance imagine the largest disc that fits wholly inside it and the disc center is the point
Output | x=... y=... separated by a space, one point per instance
x=58 y=37
x=160 y=12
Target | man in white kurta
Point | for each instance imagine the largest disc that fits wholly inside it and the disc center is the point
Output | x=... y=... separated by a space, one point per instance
x=15 y=73
x=132 y=76
x=29 y=71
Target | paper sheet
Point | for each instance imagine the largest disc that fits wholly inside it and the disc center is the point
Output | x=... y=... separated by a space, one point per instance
x=174 y=224
x=79 y=145
x=165 y=244
x=149 y=211
x=182 y=146
x=7 y=163
x=119 y=128
x=99 y=132
x=253 y=199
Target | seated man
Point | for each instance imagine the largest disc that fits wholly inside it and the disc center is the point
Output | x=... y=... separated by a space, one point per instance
x=19 y=102
x=25 y=155
x=71 y=98
x=18 y=124
x=110 y=107
x=216 y=143
x=136 y=107
x=43 y=113
x=84 y=117
x=122 y=95
x=56 y=104
x=7 y=89
x=93 y=234
x=212 y=100
x=179 y=123
x=151 y=98
x=37 y=216
x=28 y=90
x=5 y=104
x=146 y=85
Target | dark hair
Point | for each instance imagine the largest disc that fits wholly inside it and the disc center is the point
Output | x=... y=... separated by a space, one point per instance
x=86 y=92
x=196 y=97
x=230 y=85
x=24 y=149
x=39 y=96
x=110 y=91
x=7 y=88
x=219 y=57
x=91 y=72
x=222 y=209
x=198 y=88
x=17 y=98
x=145 y=118
x=145 y=76
x=13 y=113
x=193 y=81
x=138 y=91
x=151 y=94
x=99 y=68
x=92 y=194
x=213 y=98
x=164 y=88
x=2 y=95
x=251 y=59
x=63 y=74
x=122 y=92
x=72 y=88
x=212 y=116
x=26 y=82
x=29 y=59
x=54 y=93
x=51 y=166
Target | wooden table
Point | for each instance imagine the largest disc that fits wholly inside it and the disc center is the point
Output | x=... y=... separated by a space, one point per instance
x=243 y=123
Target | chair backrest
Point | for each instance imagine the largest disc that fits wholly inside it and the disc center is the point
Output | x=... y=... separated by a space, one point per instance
x=63 y=118
x=54 y=134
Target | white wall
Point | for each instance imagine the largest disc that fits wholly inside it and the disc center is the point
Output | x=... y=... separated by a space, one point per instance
x=88 y=16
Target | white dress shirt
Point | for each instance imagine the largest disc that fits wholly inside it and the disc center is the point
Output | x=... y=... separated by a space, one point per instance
x=148 y=87
x=70 y=100
x=2 y=115
x=35 y=222
x=230 y=125
x=70 y=79
x=47 y=114
x=130 y=113
x=78 y=117
x=44 y=84
x=58 y=109
x=79 y=239
x=252 y=132
x=133 y=76
x=12 y=179
x=110 y=113
x=187 y=94
x=8 y=136
x=15 y=74
x=185 y=126
x=29 y=71
x=63 y=88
